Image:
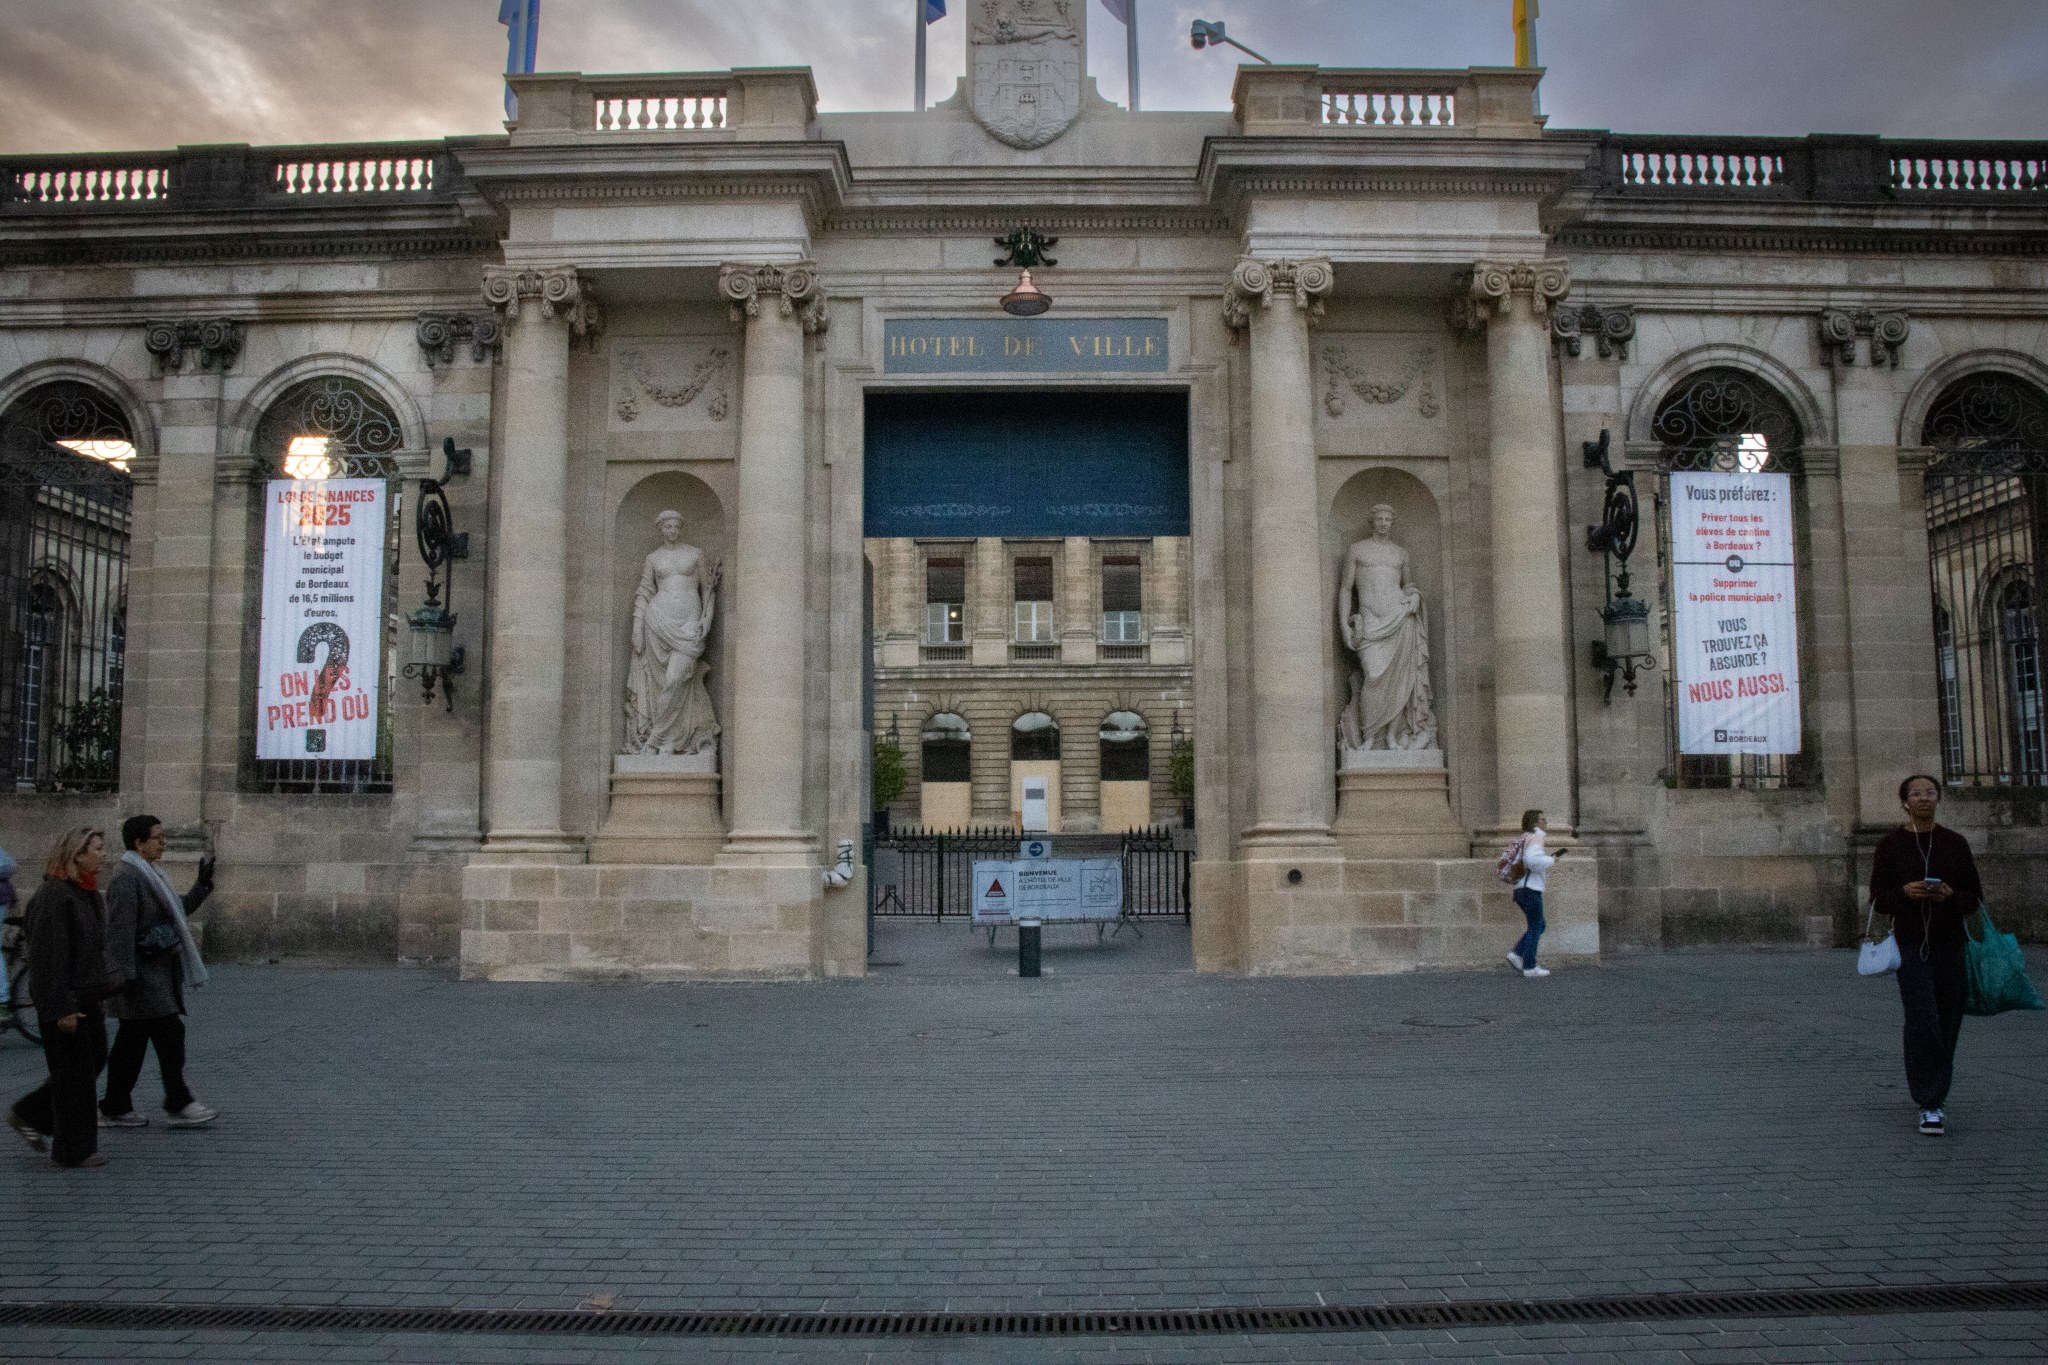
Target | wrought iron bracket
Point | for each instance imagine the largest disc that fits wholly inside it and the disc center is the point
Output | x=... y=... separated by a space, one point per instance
x=1025 y=248
x=456 y=460
x=439 y=545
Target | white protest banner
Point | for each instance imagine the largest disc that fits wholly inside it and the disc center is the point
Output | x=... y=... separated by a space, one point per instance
x=1734 y=619
x=323 y=628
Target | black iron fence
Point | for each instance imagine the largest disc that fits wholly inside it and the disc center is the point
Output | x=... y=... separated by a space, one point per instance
x=928 y=874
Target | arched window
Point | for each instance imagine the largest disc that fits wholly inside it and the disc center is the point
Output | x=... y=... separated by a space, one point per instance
x=1126 y=748
x=65 y=497
x=947 y=749
x=1728 y=421
x=1985 y=495
x=317 y=432
x=1034 y=737
x=2019 y=646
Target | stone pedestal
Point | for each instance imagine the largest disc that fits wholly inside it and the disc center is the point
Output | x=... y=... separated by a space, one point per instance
x=1396 y=803
x=664 y=810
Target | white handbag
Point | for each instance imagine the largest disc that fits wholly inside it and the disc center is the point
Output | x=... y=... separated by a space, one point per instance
x=1875 y=959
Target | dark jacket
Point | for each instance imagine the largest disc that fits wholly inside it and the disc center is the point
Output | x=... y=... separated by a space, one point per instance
x=156 y=979
x=68 y=970
x=1902 y=857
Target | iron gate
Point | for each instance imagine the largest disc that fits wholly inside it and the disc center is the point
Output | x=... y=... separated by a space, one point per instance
x=927 y=874
x=65 y=499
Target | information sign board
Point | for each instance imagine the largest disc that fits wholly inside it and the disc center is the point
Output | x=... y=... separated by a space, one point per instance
x=1734 y=619
x=323 y=632
x=1050 y=889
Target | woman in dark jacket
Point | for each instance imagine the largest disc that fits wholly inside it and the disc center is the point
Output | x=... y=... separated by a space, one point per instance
x=1924 y=876
x=69 y=975
x=148 y=939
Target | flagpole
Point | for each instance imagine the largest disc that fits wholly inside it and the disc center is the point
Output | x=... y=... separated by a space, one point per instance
x=1131 y=47
x=918 y=5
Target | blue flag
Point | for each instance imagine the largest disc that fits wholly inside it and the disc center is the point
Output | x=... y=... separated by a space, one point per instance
x=934 y=10
x=521 y=19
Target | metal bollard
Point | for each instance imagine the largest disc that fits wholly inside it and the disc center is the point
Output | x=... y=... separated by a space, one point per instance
x=1027 y=947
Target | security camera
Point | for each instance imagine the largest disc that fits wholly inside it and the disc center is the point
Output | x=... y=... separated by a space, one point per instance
x=1204 y=33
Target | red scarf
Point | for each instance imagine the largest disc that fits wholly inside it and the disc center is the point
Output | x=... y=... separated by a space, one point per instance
x=86 y=881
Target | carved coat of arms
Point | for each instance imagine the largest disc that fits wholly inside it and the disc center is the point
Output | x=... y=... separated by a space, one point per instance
x=1026 y=59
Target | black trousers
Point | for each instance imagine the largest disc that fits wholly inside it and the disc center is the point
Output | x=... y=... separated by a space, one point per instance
x=1931 y=994
x=124 y=1063
x=62 y=1106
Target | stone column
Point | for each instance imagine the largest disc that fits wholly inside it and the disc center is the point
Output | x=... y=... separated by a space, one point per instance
x=765 y=763
x=1531 y=706
x=988 y=601
x=194 y=358
x=1291 y=744
x=523 y=756
x=1075 y=616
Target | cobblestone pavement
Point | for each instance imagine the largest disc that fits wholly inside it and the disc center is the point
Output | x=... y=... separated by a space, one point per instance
x=939 y=1138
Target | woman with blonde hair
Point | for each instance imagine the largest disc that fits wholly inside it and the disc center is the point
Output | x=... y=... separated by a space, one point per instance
x=69 y=975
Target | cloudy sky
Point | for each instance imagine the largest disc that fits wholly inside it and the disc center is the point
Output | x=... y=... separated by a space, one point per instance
x=78 y=75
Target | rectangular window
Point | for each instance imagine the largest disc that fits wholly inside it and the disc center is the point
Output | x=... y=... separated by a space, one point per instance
x=1123 y=600
x=1033 y=613
x=1034 y=623
x=945 y=601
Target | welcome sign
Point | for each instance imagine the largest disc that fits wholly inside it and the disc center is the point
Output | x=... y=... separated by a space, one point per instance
x=1735 y=626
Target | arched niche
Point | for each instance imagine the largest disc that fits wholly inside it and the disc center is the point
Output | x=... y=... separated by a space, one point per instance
x=1418 y=529
x=634 y=535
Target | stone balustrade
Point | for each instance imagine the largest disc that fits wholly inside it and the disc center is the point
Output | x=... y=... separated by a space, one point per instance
x=1289 y=101
x=1826 y=167
x=230 y=176
x=749 y=104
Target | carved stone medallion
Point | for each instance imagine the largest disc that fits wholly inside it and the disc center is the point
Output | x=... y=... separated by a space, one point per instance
x=1025 y=62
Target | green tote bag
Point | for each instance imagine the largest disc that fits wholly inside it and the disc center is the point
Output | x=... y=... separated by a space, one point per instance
x=1998 y=972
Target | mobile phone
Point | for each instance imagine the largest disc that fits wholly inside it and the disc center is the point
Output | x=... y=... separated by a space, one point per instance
x=1930 y=881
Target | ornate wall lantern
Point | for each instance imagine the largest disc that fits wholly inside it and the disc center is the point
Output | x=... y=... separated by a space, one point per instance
x=431 y=654
x=1624 y=647
x=1025 y=248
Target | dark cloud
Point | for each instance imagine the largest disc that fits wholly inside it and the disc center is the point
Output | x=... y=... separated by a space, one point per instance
x=100 y=74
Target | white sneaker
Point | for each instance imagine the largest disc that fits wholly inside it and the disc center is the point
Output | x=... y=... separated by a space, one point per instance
x=1933 y=1122
x=192 y=1116
x=131 y=1119
x=1535 y=971
x=1515 y=961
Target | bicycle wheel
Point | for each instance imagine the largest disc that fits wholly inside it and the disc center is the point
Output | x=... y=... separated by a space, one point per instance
x=23 y=1008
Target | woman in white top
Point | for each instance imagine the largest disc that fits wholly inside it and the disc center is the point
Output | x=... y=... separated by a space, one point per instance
x=1536 y=860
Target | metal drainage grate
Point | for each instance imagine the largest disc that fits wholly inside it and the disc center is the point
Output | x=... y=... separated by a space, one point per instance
x=1397 y=1317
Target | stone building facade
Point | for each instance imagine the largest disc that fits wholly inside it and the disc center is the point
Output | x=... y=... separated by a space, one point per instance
x=1366 y=288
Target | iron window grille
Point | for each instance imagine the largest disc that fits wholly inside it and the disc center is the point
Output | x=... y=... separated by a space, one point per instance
x=1730 y=421
x=1985 y=495
x=331 y=427
x=66 y=499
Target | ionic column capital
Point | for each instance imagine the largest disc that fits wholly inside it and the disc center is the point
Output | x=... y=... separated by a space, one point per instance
x=1255 y=283
x=559 y=291
x=792 y=288
x=1495 y=283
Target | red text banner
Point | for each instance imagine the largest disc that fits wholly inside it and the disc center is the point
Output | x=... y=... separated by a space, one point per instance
x=1734 y=618
x=322 y=637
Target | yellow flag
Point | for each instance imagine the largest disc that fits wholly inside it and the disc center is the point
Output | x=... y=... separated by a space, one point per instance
x=1525 y=32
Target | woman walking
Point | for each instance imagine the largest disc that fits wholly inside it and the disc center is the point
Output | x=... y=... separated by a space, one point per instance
x=68 y=977
x=1924 y=876
x=1535 y=861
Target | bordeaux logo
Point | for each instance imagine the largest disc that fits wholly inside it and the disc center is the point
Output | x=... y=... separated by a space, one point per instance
x=1720 y=736
x=1025 y=69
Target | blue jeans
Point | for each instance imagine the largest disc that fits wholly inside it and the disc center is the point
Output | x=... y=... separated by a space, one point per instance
x=1531 y=903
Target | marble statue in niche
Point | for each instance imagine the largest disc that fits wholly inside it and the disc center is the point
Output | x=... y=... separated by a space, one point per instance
x=1385 y=627
x=668 y=707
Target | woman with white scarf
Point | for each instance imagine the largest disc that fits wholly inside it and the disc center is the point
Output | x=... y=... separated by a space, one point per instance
x=150 y=940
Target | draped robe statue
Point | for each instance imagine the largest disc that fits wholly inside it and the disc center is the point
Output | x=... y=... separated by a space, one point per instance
x=668 y=707
x=1381 y=619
